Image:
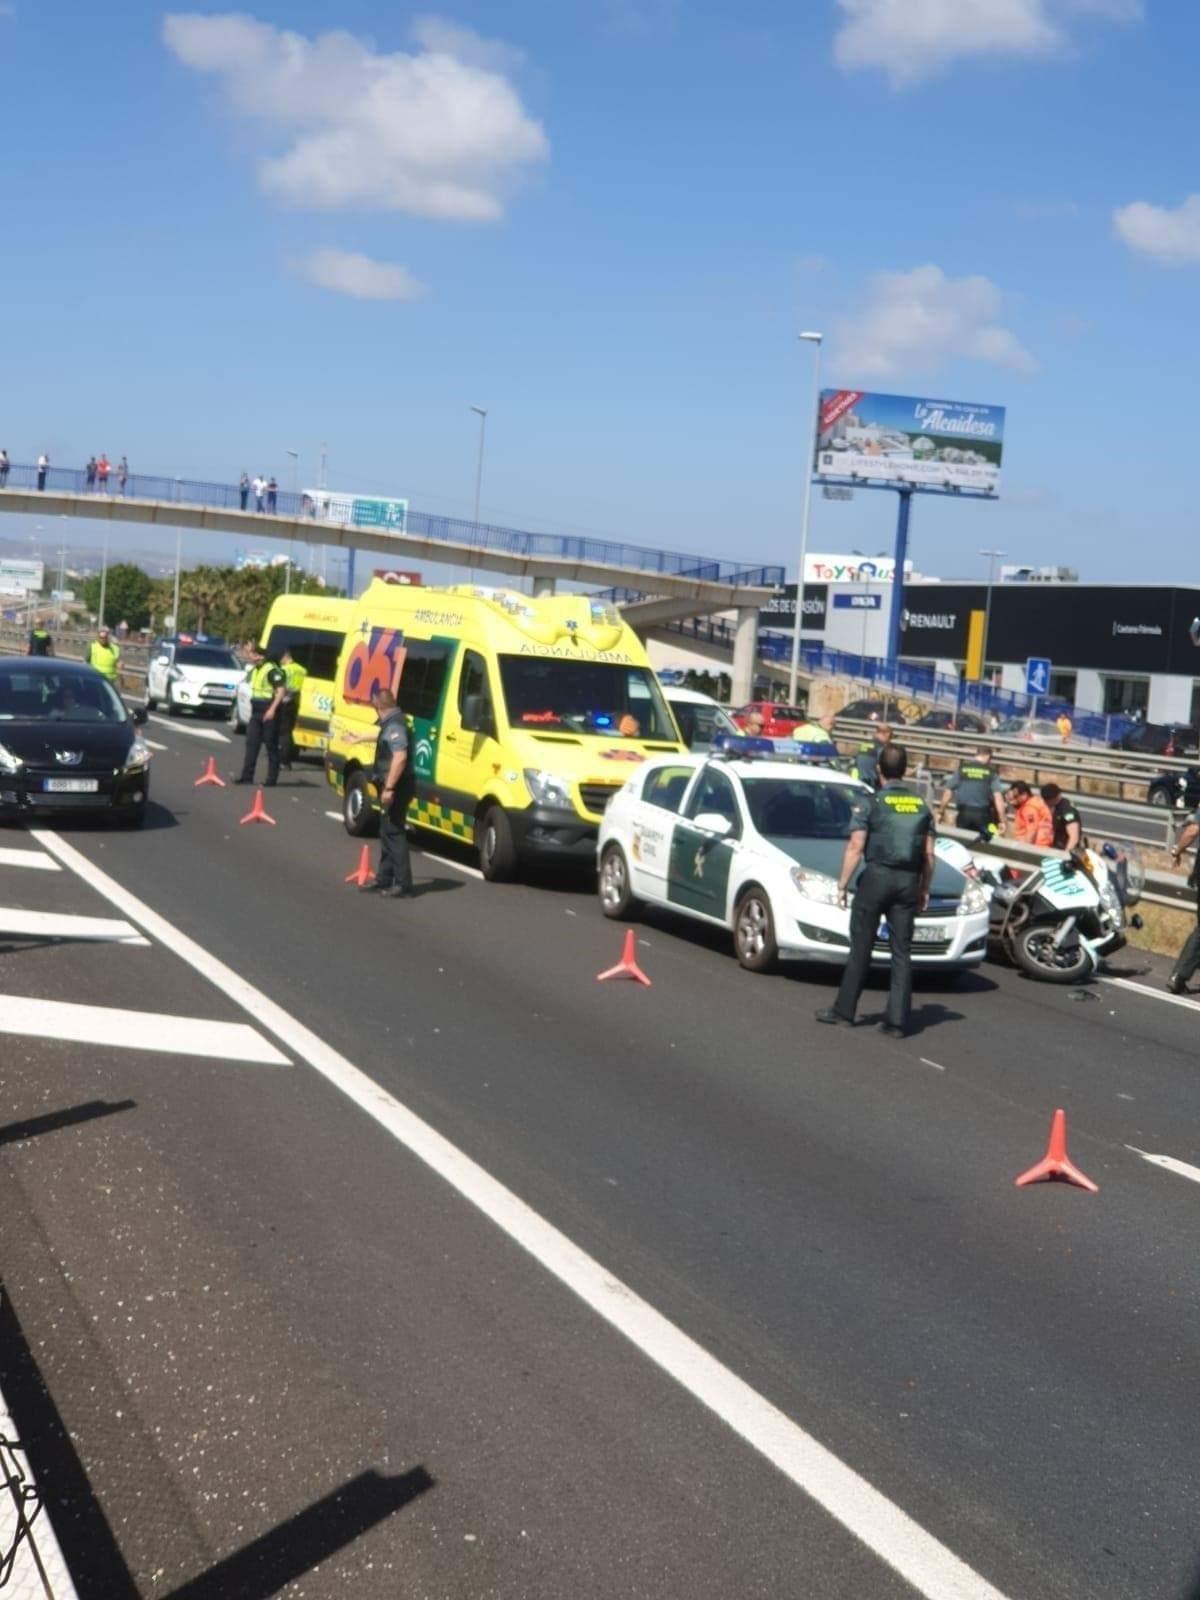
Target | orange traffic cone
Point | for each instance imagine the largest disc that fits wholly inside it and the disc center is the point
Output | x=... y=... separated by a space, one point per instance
x=627 y=967
x=362 y=873
x=257 y=812
x=209 y=775
x=1056 y=1163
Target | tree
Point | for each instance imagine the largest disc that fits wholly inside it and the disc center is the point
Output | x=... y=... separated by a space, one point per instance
x=126 y=595
x=203 y=590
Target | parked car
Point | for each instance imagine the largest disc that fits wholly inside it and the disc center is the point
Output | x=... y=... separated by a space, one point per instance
x=953 y=721
x=1159 y=739
x=68 y=744
x=699 y=716
x=192 y=673
x=1179 y=790
x=779 y=721
x=872 y=711
x=1036 y=730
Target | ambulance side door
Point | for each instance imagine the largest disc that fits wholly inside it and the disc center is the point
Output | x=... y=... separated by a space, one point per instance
x=468 y=755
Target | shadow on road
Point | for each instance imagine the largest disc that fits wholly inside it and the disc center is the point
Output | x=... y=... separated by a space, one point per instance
x=157 y=817
x=258 y=1570
x=51 y=1121
x=436 y=886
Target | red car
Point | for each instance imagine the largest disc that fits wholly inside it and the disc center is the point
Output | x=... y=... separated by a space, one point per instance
x=779 y=721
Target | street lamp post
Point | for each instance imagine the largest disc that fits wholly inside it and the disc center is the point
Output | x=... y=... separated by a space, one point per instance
x=103 y=575
x=178 y=557
x=867 y=592
x=993 y=556
x=815 y=340
x=481 y=413
x=295 y=455
x=62 y=583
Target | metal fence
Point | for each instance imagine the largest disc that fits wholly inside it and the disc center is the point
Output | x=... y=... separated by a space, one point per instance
x=293 y=506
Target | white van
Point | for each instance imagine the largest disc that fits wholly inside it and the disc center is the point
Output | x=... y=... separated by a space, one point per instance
x=699 y=716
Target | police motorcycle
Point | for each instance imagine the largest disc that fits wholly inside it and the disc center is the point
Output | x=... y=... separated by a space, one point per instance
x=1059 y=920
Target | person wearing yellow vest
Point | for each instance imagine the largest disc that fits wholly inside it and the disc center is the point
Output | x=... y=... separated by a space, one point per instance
x=104 y=655
x=267 y=685
x=294 y=675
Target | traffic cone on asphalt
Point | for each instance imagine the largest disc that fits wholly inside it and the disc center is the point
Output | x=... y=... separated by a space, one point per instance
x=362 y=873
x=627 y=967
x=257 y=812
x=209 y=775
x=1056 y=1163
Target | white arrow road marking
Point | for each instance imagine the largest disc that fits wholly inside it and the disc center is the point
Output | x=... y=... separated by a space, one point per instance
x=136 y=1030
x=1180 y=1168
x=55 y=925
x=193 y=733
x=28 y=858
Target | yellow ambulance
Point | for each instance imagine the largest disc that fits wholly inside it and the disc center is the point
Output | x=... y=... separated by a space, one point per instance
x=313 y=628
x=525 y=716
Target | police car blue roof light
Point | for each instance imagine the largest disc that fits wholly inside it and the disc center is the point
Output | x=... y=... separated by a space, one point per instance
x=750 y=747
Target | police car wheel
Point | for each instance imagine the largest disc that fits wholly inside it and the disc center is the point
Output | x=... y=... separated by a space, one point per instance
x=173 y=710
x=497 y=852
x=358 y=816
x=754 y=940
x=151 y=703
x=616 y=899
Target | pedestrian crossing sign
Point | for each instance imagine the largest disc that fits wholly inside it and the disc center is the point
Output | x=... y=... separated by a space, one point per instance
x=1037 y=675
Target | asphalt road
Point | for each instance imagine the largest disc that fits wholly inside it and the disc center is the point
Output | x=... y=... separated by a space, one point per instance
x=256 y=1345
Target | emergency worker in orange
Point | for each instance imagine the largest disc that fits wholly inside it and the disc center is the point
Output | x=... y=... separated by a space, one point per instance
x=1032 y=822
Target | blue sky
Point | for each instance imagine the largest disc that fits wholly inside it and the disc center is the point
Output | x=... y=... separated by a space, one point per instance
x=606 y=221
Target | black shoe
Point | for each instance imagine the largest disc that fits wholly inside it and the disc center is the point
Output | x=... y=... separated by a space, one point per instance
x=394 y=892
x=270 y=783
x=892 y=1031
x=232 y=779
x=1176 y=985
x=373 y=888
x=834 y=1018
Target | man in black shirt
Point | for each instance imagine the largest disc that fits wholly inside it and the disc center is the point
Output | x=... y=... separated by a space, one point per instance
x=893 y=831
x=1068 y=825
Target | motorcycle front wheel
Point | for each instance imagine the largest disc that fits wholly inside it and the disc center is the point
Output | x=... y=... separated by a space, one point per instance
x=1034 y=952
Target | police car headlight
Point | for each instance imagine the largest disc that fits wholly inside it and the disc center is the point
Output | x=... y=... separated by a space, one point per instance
x=974 y=899
x=138 y=757
x=9 y=762
x=548 y=789
x=816 y=886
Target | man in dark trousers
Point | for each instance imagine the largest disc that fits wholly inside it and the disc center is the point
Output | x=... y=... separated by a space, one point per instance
x=40 y=642
x=267 y=684
x=1188 y=959
x=978 y=792
x=893 y=832
x=392 y=777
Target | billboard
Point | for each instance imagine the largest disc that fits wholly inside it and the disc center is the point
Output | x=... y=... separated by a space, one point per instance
x=939 y=445
x=20 y=577
x=780 y=611
x=355 y=510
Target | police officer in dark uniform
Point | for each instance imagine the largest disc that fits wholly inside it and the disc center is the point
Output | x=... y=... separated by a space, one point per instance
x=40 y=642
x=393 y=780
x=977 y=791
x=267 y=685
x=1064 y=815
x=893 y=831
x=1188 y=960
x=865 y=765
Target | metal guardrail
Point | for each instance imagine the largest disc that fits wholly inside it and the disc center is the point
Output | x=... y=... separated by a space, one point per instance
x=1161 y=888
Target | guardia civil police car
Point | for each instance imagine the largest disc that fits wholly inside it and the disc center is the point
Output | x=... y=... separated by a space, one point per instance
x=754 y=843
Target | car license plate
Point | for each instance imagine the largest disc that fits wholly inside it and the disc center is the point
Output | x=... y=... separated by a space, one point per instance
x=927 y=935
x=71 y=785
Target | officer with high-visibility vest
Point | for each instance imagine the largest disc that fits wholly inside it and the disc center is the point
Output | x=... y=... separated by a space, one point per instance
x=294 y=676
x=40 y=642
x=267 y=686
x=104 y=655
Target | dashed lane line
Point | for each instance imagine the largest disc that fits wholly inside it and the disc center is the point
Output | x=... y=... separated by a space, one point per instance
x=38 y=859
x=154 y=744
x=1168 y=1163
x=336 y=815
x=56 y=925
x=193 y=733
x=930 y=1567
x=136 y=1030
x=455 y=866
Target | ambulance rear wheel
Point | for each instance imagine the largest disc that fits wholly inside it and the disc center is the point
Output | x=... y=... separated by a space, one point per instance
x=358 y=815
x=497 y=852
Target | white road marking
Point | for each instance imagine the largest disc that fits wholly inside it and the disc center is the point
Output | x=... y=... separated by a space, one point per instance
x=936 y=1065
x=29 y=858
x=1154 y=994
x=192 y=732
x=455 y=866
x=336 y=815
x=154 y=744
x=932 y=1569
x=136 y=1030
x=54 y=925
x=1181 y=1168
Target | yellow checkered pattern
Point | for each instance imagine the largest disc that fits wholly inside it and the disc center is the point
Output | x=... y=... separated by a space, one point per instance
x=431 y=814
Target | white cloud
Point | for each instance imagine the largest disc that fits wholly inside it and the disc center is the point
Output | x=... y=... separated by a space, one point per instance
x=1171 y=238
x=347 y=272
x=914 y=39
x=914 y=322
x=439 y=132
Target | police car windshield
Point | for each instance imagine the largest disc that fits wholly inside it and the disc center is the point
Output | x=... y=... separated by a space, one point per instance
x=206 y=655
x=551 y=695
x=54 y=697
x=798 y=808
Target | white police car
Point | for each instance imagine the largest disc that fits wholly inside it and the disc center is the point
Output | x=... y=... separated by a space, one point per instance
x=192 y=673
x=755 y=846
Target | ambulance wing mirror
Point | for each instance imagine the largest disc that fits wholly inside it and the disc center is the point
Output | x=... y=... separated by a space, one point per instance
x=713 y=822
x=477 y=715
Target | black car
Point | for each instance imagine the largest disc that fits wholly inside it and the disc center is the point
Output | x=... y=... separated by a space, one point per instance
x=68 y=744
x=1179 y=790
x=952 y=721
x=1159 y=739
x=872 y=711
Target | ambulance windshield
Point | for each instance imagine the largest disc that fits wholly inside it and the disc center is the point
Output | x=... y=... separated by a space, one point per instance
x=547 y=694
